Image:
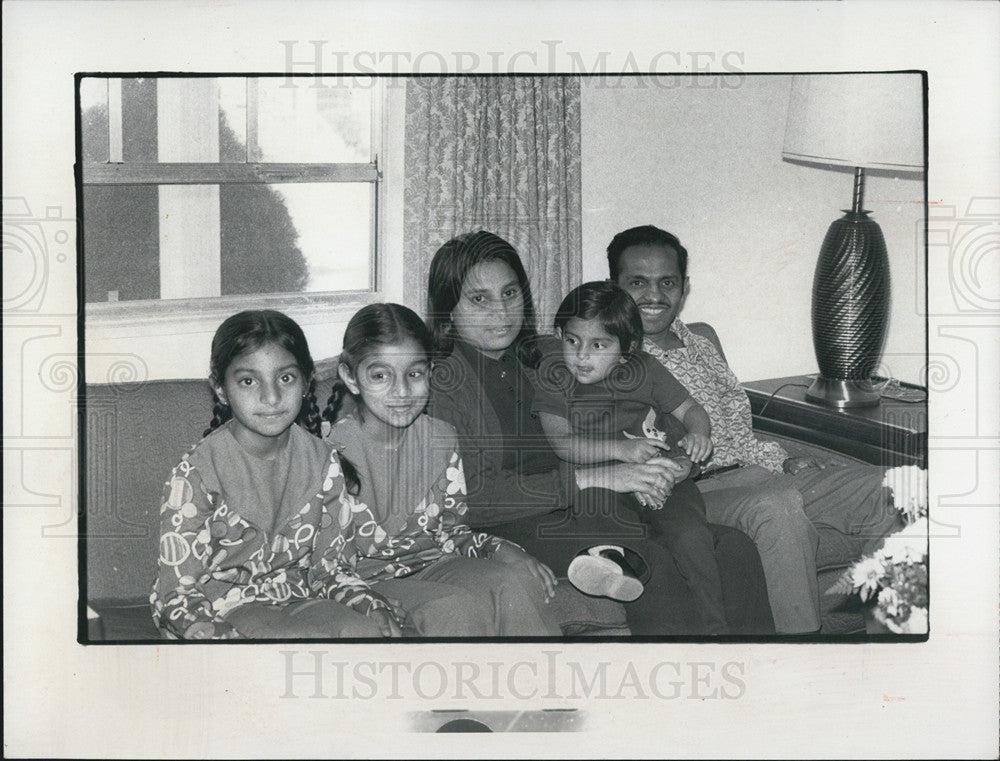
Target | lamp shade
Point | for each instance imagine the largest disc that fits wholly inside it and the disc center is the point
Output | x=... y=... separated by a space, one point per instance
x=857 y=120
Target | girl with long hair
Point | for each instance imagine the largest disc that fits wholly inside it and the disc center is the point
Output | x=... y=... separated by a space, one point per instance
x=408 y=537
x=249 y=536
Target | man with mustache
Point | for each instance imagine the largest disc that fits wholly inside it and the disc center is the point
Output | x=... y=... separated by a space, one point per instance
x=796 y=509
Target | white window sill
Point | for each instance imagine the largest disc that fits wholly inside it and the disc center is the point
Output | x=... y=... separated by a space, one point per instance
x=179 y=316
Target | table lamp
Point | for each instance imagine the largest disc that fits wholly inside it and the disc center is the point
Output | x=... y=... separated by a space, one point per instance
x=864 y=121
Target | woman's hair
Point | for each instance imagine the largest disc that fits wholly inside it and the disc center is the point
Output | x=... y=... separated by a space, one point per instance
x=247 y=332
x=449 y=268
x=373 y=326
x=604 y=301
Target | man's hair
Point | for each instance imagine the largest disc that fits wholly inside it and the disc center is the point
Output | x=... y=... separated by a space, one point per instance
x=646 y=235
x=613 y=307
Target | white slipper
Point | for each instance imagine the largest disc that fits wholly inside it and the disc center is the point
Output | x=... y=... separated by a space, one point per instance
x=600 y=576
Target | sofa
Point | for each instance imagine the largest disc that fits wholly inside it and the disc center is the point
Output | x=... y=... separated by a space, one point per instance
x=134 y=434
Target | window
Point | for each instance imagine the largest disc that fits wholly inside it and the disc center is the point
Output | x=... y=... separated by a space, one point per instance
x=219 y=193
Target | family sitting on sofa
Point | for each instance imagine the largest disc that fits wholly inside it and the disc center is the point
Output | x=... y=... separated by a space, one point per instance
x=462 y=467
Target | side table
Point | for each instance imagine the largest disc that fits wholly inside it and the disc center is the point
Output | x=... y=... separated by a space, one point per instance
x=893 y=433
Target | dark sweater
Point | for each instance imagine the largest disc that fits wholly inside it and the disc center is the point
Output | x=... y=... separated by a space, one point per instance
x=507 y=476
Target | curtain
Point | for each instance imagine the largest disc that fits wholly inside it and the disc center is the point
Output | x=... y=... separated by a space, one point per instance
x=500 y=154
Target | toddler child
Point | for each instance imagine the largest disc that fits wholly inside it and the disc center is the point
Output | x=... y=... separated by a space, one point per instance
x=600 y=399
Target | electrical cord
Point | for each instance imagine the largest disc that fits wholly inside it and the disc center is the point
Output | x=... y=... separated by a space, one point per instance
x=891 y=388
x=775 y=392
x=887 y=388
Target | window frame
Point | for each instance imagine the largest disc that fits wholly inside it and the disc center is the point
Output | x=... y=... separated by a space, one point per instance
x=156 y=316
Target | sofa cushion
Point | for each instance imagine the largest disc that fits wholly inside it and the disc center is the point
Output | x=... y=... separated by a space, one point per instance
x=122 y=621
x=134 y=436
x=583 y=616
x=580 y=616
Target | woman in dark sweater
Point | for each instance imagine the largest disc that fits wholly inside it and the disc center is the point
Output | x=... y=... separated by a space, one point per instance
x=483 y=320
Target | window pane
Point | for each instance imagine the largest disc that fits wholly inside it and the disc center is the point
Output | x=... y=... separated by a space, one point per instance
x=187 y=120
x=287 y=238
x=189 y=109
x=203 y=119
x=138 y=118
x=297 y=122
x=139 y=139
x=94 y=118
x=207 y=240
x=296 y=237
x=121 y=243
x=233 y=119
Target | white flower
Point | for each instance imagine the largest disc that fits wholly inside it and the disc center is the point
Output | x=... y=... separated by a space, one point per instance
x=866 y=573
x=908 y=484
x=889 y=600
x=909 y=544
x=898 y=554
x=917 y=622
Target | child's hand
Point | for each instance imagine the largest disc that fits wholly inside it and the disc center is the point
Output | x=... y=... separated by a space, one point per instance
x=697 y=445
x=510 y=555
x=639 y=450
x=397 y=610
x=387 y=623
x=678 y=468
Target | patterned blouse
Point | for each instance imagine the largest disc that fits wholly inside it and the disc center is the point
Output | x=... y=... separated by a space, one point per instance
x=703 y=371
x=410 y=511
x=236 y=529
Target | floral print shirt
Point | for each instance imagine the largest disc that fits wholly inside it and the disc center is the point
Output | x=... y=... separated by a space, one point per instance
x=236 y=529
x=410 y=511
x=703 y=371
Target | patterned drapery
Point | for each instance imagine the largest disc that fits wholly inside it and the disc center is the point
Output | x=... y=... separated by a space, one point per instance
x=500 y=154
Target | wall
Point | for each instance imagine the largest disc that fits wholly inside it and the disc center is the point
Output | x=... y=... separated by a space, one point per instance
x=702 y=159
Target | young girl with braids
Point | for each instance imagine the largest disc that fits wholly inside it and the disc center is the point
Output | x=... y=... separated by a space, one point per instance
x=249 y=535
x=410 y=540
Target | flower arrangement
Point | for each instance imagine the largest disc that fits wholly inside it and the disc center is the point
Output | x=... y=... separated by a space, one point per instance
x=895 y=576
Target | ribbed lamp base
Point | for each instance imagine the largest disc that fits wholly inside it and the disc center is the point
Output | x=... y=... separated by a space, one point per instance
x=850 y=307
